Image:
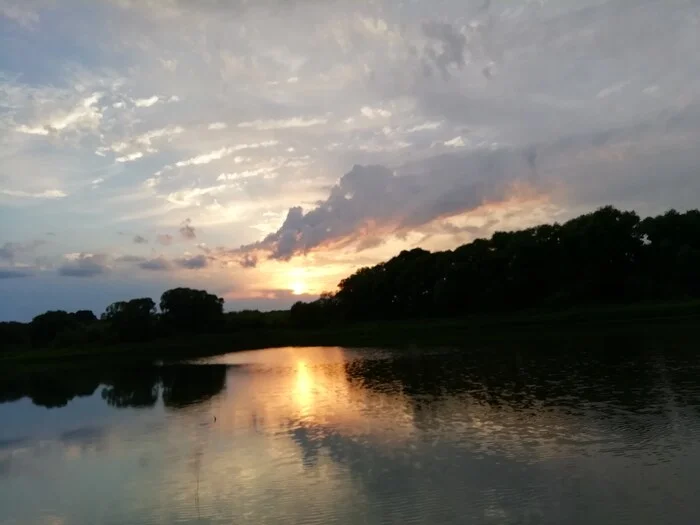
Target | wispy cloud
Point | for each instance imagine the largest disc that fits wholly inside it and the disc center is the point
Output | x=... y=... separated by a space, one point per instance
x=46 y=194
x=219 y=154
x=86 y=115
x=373 y=113
x=206 y=158
x=246 y=174
x=165 y=239
x=426 y=126
x=134 y=148
x=296 y=122
x=457 y=142
x=442 y=108
x=130 y=157
x=22 y=14
x=193 y=196
x=146 y=102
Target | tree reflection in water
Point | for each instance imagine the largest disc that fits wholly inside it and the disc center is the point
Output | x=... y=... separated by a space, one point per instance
x=178 y=385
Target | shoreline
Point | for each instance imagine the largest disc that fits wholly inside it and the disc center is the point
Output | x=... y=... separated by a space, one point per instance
x=670 y=321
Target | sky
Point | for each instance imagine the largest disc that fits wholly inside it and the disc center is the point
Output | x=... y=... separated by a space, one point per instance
x=264 y=150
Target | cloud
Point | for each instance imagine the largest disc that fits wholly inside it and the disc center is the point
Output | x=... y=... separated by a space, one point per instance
x=196 y=262
x=86 y=115
x=296 y=122
x=205 y=158
x=46 y=194
x=450 y=49
x=11 y=273
x=373 y=199
x=424 y=127
x=137 y=147
x=10 y=250
x=457 y=142
x=248 y=260
x=192 y=196
x=84 y=265
x=146 y=139
x=130 y=157
x=146 y=102
x=33 y=130
x=373 y=113
x=7 y=251
x=246 y=174
x=558 y=71
x=187 y=230
x=130 y=259
x=158 y=264
x=165 y=239
x=21 y=14
x=138 y=239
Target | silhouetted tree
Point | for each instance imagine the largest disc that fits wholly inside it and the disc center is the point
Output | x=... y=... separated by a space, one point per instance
x=132 y=320
x=85 y=317
x=316 y=313
x=45 y=327
x=601 y=257
x=13 y=335
x=188 y=310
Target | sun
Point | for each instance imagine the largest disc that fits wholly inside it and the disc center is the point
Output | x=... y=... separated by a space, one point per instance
x=298 y=287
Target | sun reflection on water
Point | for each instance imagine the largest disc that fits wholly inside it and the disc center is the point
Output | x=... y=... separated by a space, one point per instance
x=303 y=388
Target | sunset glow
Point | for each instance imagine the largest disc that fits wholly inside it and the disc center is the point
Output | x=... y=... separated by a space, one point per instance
x=267 y=164
x=298 y=287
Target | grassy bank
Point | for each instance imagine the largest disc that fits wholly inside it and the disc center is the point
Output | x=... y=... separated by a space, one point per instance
x=672 y=322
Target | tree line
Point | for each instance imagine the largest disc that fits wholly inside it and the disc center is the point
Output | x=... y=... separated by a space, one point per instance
x=605 y=257
x=180 y=311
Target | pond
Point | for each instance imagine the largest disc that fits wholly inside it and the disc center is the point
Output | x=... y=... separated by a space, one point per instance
x=356 y=436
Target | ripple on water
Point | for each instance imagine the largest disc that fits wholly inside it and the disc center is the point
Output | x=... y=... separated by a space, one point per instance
x=327 y=435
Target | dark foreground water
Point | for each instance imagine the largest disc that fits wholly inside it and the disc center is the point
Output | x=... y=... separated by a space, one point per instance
x=328 y=435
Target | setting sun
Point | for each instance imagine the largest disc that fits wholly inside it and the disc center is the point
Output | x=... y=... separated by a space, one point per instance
x=298 y=287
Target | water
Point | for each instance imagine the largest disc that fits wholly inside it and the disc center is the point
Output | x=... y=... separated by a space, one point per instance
x=330 y=435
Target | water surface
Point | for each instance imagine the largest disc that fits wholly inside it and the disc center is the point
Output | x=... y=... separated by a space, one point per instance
x=331 y=435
